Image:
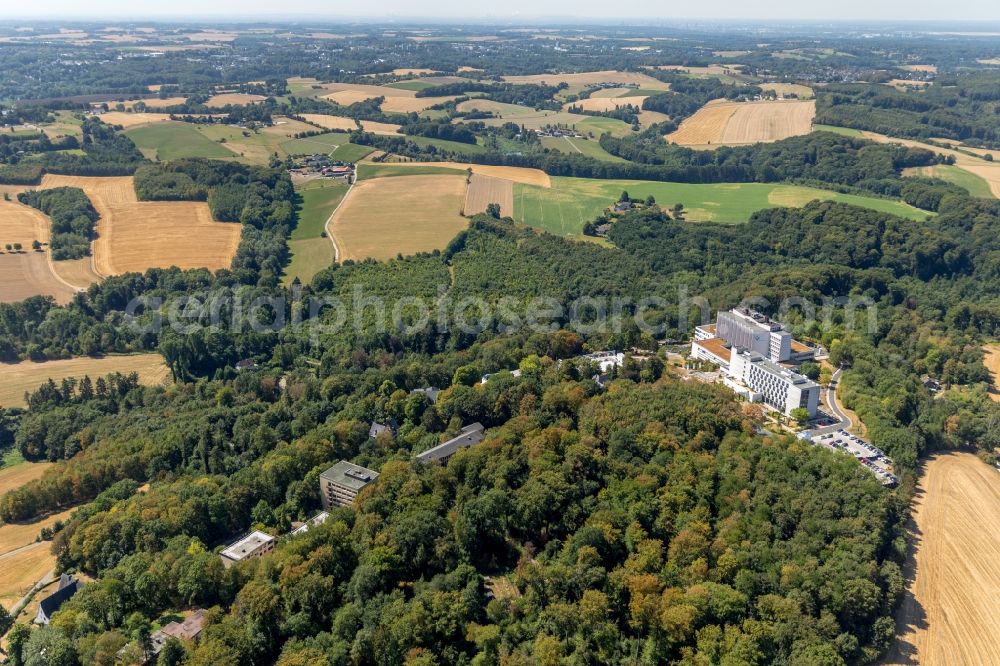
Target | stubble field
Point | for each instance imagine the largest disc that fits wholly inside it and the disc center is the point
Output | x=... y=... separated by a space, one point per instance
x=735 y=123
x=18 y=378
x=135 y=235
x=383 y=217
x=484 y=190
x=949 y=615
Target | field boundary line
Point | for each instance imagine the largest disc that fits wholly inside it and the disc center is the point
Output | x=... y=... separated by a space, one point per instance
x=575 y=147
x=329 y=219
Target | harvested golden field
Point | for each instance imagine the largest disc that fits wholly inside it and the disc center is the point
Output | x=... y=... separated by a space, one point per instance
x=710 y=70
x=17 y=378
x=21 y=569
x=30 y=274
x=397 y=100
x=647 y=118
x=157 y=103
x=77 y=272
x=14 y=477
x=18 y=535
x=803 y=92
x=236 y=99
x=383 y=217
x=404 y=71
x=988 y=171
x=516 y=174
x=379 y=128
x=920 y=68
x=949 y=615
x=602 y=104
x=991 y=359
x=484 y=190
x=331 y=122
x=592 y=78
x=906 y=83
x=735 y=123
x=128 y=120
x=137 y=235
x=465 y=68
x=22 y=224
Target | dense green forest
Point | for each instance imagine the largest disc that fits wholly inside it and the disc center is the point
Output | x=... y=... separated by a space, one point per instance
x=639 y=519
x=73 y=218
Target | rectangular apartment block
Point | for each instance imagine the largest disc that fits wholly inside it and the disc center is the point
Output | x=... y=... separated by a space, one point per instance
x=339 y=485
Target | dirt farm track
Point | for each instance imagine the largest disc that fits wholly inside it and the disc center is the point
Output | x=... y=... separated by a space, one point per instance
x=950 y=613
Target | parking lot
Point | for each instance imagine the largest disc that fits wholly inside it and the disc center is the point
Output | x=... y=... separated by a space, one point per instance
x=867 y=454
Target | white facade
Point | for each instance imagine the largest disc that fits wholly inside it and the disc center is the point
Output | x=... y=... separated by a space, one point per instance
x=779 y=387
x=255 y=544
x=754 y=331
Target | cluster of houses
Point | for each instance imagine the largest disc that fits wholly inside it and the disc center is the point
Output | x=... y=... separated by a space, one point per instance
x=324 y=167
x=558 y=133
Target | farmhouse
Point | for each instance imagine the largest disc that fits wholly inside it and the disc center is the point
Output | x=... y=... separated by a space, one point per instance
x=339 y=485
x=68 y=586
x=468 y=436
x=255 y=544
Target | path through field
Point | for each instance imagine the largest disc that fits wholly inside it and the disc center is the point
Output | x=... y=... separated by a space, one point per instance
x=991 y=359
x=135 y=235
x=950 y=613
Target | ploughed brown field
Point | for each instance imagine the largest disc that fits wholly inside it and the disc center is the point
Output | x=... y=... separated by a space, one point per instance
x=949 y=615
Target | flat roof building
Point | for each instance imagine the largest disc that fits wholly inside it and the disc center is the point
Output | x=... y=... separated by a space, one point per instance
x=339 y=485
x=778 y=386
x=255 y=544
x=468 y=436
x=713 y=350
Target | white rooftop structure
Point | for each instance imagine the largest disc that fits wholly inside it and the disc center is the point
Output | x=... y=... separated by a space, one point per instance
x=255 y=544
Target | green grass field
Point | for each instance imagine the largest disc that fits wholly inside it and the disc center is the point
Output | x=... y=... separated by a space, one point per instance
x=453 y=146
x=175 y=140
x=385 y=170
x=844 y=131
x=588 y=147
x=532 y=119
x=571 y=202
x=410 y=85
x=975 y=185
x=332 y=143
x=311 y=252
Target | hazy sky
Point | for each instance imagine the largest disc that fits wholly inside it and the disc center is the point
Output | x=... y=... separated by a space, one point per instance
x=566 y=10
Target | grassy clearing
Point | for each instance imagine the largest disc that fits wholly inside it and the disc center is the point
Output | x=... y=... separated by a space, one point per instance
x=588 y=147
x=367 y=171
x=452 y=146
x=843 y=131
x=176 y=140
x=17 y=378
x=571 y=202
x=975 y=185
x=311 y=251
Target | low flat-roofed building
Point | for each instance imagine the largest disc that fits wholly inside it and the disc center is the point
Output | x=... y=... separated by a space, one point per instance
x=339 y=485
x=469 y=436
x=255 y=544
x=713 y=350
x=705 y=331
x=318 y=519
x=801 y=352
